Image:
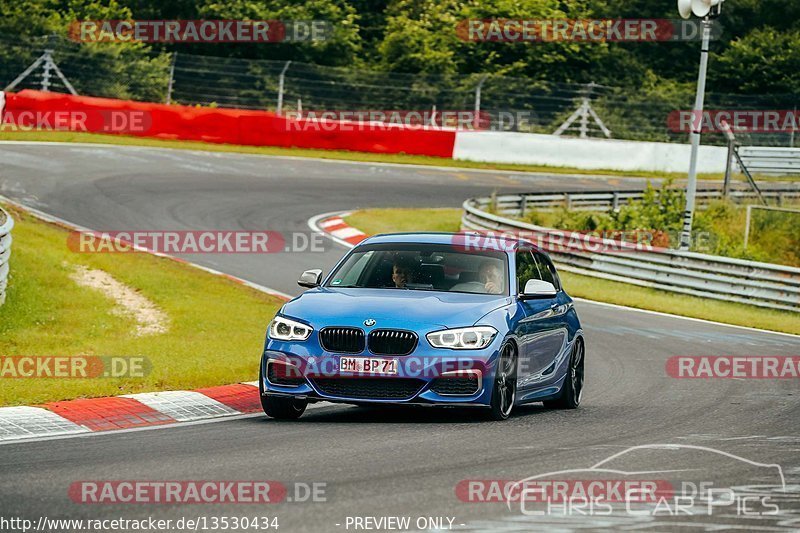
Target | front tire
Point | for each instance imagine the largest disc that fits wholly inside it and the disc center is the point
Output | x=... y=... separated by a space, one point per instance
x=572 y=391
x=280 y=407
x=283 y=408
x=504 y=392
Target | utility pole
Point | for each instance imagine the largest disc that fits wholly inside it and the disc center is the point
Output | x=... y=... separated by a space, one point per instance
x=706 y=10
x=691 y=186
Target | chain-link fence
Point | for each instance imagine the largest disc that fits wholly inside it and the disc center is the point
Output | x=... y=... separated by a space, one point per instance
x=512 y=103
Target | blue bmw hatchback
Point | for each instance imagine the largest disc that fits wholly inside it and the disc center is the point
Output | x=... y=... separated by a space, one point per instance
x=427 y=318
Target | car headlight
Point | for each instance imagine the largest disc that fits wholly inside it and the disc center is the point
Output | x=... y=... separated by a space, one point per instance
x=283 y=329
x=473 y=338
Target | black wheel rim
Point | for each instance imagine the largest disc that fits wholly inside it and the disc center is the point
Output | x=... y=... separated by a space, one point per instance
x=576 y=372
x=506 y=381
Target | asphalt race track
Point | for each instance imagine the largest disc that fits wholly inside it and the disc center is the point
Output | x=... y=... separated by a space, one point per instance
x=396 y=462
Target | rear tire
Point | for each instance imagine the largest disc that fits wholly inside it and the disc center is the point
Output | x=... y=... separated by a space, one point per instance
x=572 y=391
x=504 y=392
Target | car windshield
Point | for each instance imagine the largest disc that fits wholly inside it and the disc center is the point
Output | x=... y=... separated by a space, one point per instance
x=425 y=267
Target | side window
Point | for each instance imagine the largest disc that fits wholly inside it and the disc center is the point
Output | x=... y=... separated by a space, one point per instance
x=526 y=269
x=547 y=270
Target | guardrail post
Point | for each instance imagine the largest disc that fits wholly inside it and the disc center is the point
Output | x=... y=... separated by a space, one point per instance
x=568 y=200
x=615 y=202
x=726 y=184
x=522 y=204
x=747 y=226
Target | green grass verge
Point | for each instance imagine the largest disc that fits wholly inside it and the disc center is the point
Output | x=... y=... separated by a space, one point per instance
x=63 y=136
x=216 y=326
x=373 y=221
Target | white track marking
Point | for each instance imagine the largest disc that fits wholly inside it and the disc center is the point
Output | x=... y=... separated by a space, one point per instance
x=331 y=222
x=347 y=232
x=668 y=315
x=313 y=223
x=91 y=434
x=22 y=423
x=183 y=406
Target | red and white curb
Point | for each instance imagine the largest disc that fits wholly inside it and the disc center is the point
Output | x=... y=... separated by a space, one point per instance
x=132 y=411
x=334 y=226
x=74 y=417
x=89 y=415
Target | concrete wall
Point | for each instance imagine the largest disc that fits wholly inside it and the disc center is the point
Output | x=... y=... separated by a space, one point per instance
x=597 y=154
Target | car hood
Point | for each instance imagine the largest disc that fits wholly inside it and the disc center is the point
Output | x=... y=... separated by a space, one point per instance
x=391 y=308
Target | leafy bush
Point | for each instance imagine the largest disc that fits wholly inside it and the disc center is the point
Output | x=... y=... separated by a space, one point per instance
x=718 y=228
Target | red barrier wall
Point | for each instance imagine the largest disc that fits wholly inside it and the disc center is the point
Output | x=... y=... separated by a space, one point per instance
x=217 y=125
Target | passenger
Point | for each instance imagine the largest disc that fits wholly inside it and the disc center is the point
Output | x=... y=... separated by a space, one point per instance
x=492 y=278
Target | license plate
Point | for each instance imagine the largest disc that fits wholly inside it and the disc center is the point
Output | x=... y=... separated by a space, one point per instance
x=368 y=365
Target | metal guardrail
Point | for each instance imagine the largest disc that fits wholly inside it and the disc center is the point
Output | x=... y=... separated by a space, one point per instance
x=519 y=204
x=6 y=224
x=707 y=276
x=769 y=160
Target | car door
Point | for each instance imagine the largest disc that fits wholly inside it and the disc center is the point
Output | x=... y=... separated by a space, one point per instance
x=542 y=333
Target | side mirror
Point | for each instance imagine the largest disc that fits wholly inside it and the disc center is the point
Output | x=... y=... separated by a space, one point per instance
x=310 y=278
x=536 y=288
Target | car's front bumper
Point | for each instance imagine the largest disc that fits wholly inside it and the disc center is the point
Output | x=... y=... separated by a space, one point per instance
x=448 y=378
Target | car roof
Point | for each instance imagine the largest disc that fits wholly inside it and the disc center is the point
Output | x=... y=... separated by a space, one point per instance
x=508 y=243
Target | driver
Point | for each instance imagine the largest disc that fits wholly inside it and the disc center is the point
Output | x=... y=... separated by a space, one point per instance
x=489 y=274
x=403 y=270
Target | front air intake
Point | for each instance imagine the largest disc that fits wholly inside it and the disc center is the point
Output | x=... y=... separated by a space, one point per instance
x=369 y=388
